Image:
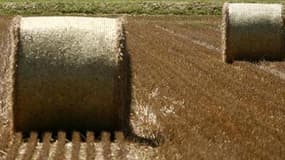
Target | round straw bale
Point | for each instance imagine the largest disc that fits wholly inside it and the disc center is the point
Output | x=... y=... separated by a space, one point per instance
x=68 y=74
x=252 y=32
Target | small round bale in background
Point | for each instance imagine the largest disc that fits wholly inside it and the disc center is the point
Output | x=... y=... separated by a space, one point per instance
x=252 y=32
x=8 y=43
x=68 y=74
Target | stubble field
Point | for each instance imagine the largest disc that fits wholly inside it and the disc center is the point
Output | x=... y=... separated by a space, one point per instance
x=186 y=103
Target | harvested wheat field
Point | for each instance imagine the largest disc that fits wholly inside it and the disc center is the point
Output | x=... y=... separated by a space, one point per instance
x=186 y=102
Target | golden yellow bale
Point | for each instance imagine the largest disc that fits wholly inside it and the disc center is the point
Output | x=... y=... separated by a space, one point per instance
x=68 y=73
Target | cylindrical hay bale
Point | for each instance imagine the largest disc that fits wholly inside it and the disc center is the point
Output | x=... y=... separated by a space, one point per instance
x=68 y=74
x=252 y=32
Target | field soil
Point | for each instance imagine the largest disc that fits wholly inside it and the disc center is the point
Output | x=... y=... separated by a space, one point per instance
x=186 y=103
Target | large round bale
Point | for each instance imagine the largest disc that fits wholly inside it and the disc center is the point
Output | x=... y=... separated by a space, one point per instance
x=252 y=32
x=68 y=73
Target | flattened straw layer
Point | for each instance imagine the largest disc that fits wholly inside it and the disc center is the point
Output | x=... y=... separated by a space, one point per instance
x=252 y=32
x=68 y=74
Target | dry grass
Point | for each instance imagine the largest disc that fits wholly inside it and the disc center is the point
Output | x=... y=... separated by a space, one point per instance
x=14 y=147
x=75 y=146
x=90 y=146
x=60 y=146
x=31 y=146
x=44 y=153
